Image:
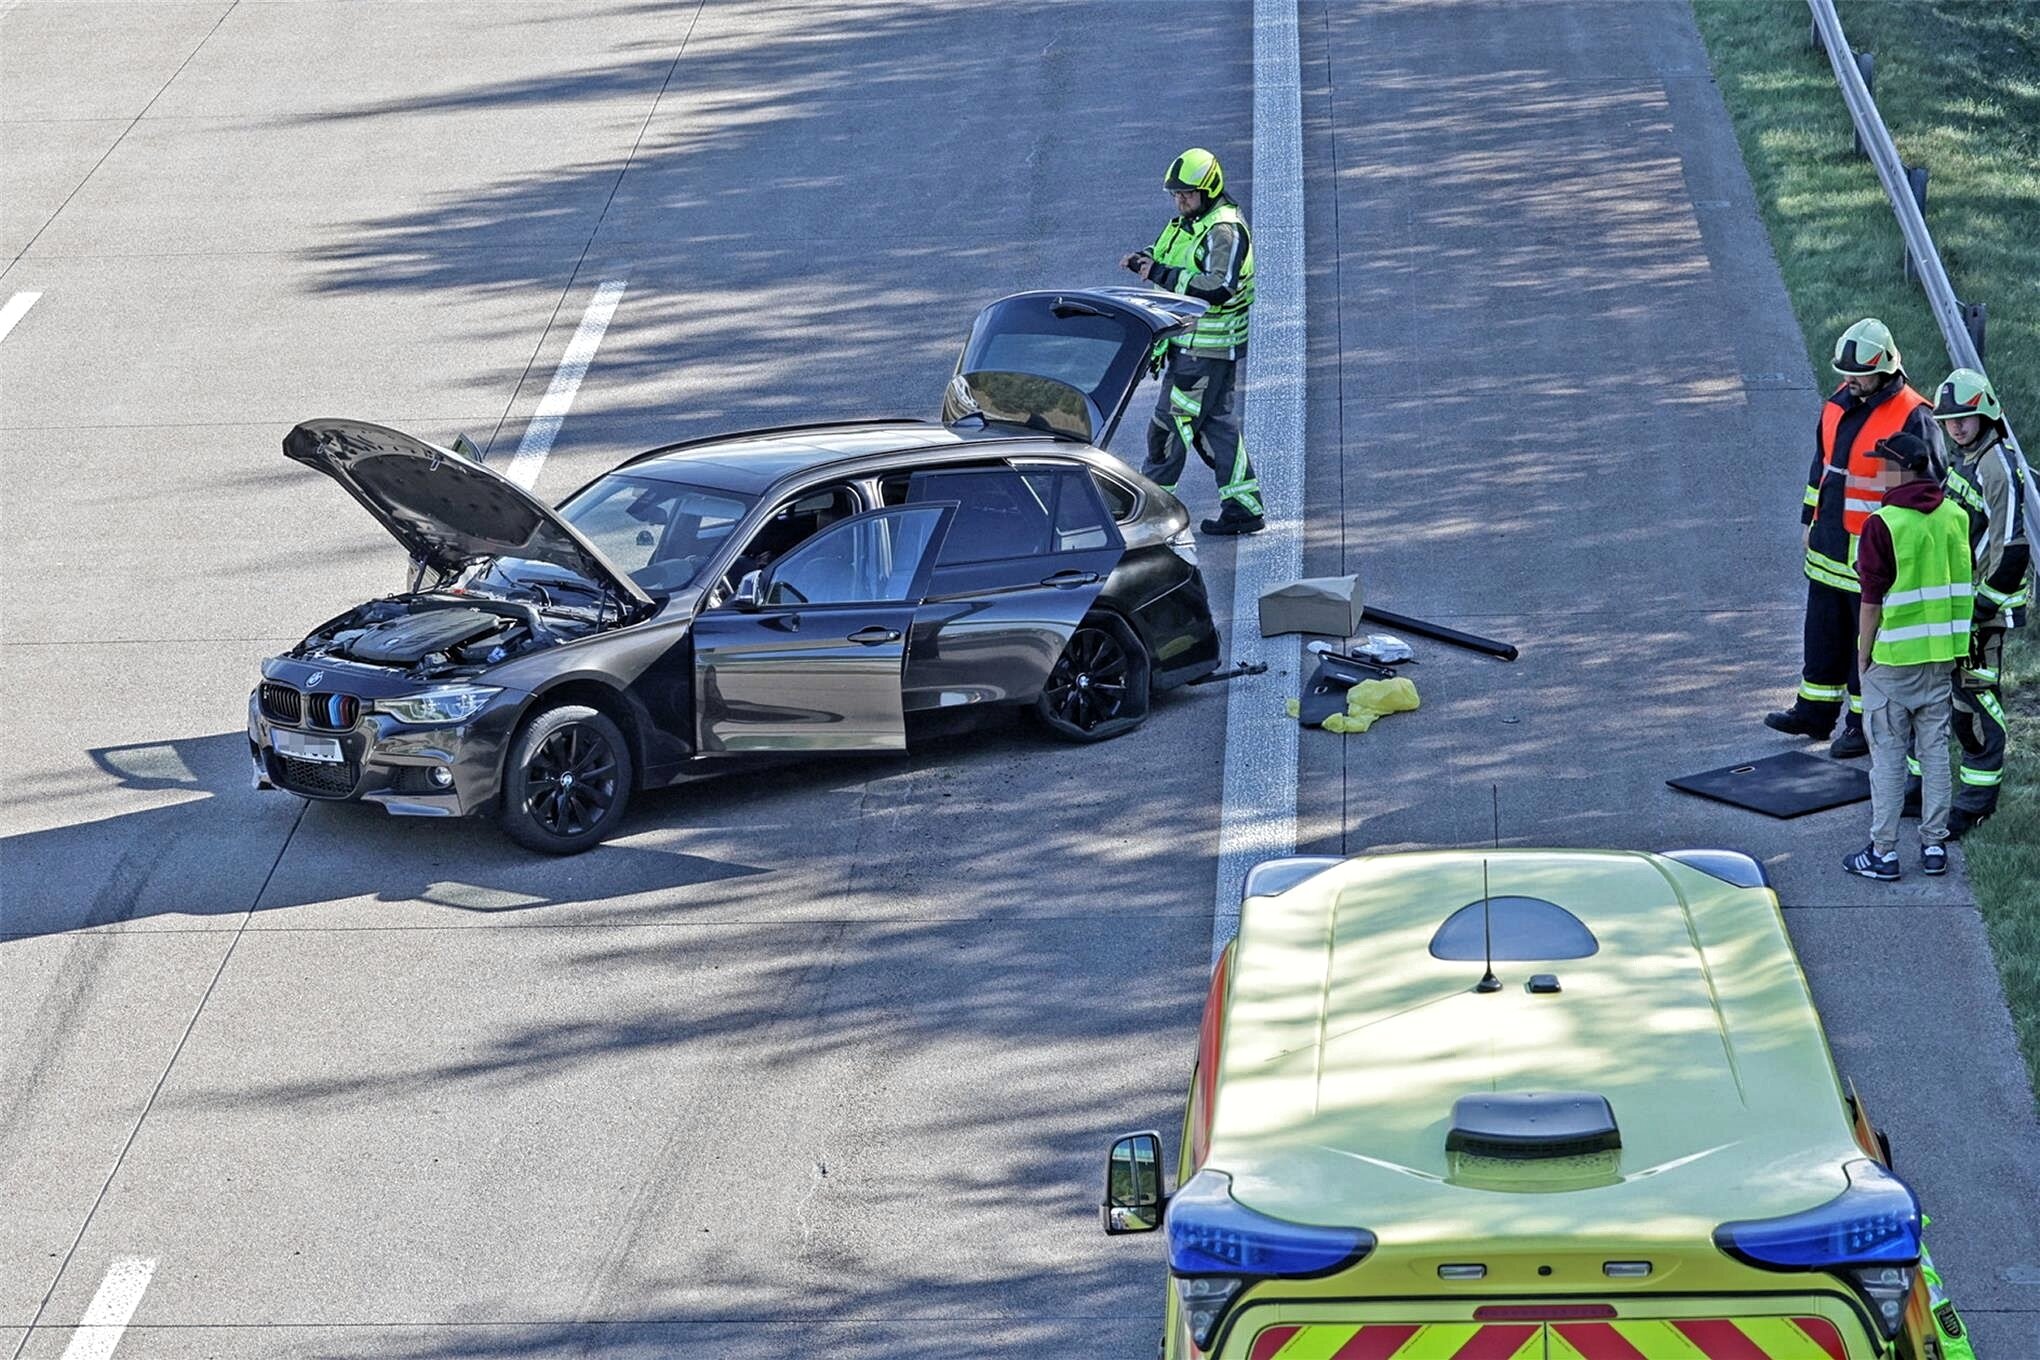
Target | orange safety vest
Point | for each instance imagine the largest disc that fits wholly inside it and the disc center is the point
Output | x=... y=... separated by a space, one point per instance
x=1868 y=477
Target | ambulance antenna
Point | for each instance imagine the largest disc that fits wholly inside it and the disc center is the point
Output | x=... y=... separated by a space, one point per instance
x=1495 y=794
x=1488 y=981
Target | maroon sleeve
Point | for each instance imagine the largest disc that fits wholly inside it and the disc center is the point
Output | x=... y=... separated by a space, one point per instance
x=1875 y=566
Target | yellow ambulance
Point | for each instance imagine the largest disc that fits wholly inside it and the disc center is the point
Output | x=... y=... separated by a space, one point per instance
x=1521 y=1105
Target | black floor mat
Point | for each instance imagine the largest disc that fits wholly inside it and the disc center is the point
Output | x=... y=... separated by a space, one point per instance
x=1788 y=785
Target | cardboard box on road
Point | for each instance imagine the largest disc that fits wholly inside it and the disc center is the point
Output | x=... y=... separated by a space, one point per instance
x=1316 y=604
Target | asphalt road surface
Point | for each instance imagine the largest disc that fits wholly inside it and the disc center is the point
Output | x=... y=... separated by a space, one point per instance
x=823 y=1061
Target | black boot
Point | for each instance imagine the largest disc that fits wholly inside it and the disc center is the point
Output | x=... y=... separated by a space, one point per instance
x=1963 y=820
x=1797 y=722
x=1850 y=745
x=1230 y=523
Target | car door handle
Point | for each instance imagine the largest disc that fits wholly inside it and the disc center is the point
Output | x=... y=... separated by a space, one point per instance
x=874 y=636
x=1064 y=580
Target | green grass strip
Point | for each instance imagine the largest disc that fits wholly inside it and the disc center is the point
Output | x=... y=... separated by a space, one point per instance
x=1958 y=83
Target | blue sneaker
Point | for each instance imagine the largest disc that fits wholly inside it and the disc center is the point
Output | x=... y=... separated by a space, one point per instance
x=1884 y=868
x=1934 y=859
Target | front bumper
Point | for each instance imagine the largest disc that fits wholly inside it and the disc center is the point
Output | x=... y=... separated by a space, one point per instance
x=412 y=771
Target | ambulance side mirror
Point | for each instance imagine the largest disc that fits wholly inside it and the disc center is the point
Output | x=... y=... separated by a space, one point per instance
x=1133 y=1184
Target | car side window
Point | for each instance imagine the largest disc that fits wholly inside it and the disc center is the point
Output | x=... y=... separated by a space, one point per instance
x=1079 y=518
x=999 y=514
x=874 y=559
x=792 y=524
x=1120 y=499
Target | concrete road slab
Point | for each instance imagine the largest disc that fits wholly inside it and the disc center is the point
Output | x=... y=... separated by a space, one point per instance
x=887 y=1121
x=1107 y=1338
x=239 y=185
x=349 y=63
x=1971 y=1147
x=225 y=339
x=61 y=61
x=134 y=808
x=41 y=165
x=90 y=1024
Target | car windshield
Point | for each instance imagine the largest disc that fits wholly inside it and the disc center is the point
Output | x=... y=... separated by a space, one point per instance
x=661 y=534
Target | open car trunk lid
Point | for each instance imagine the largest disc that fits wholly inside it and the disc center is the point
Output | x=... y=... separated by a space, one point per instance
x=1063 y=362
x=448 y=511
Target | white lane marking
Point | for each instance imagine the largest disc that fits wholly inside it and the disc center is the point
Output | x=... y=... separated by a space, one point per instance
x=552 y=409
x=106 y=1317
x=1258 y=819
x=16 y=308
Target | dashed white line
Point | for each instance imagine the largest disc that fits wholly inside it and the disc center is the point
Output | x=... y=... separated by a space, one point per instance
x=559 y=398
x=16 y=308
x=1258 y=820
x=106 y=1317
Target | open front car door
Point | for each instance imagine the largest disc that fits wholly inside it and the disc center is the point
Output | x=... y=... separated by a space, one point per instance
x=1063 y=363
x=809 y=657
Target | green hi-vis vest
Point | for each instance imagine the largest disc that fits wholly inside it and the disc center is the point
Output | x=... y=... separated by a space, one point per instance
x=1222 y=328
x=1926 y=611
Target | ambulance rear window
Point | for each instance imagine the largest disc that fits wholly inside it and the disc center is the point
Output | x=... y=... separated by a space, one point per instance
x=1525 y=929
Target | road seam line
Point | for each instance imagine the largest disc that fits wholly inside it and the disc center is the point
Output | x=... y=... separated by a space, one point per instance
x=1257 y=818
x=552 y=410
x=106 y=1317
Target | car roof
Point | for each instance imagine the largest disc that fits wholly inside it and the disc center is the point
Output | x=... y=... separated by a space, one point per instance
x=1347 y=1043
x=754 y=461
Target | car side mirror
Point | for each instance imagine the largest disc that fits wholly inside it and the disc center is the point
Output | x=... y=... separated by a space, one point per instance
x=1133 y=1184
x=749 y=592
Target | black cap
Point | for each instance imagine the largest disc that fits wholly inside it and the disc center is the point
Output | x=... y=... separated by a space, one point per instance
x=1909 y=451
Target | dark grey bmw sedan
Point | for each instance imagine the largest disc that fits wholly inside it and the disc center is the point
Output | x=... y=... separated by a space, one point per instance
x=806 y=590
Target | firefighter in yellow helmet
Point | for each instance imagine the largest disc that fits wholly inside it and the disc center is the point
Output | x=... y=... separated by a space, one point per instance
x=1844 y=488
x=1205 y=252
x=1990 y=480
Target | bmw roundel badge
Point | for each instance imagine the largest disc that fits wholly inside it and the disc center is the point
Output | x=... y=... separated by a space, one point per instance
x=315 y=678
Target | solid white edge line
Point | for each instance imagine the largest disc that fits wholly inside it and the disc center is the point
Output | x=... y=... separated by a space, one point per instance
x=16 y=308
x=559 y=398
x=1258 y=820
x=106 y=1317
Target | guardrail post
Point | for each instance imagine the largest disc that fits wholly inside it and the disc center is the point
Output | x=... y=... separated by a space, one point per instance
x=1974 y=318
x=1866 y=65
x=1916 y=180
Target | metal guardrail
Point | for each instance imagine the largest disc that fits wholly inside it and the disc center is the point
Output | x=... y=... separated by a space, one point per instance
x=1907 y=201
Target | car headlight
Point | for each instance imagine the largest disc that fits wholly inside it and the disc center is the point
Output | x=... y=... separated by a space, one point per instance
x=456 y=703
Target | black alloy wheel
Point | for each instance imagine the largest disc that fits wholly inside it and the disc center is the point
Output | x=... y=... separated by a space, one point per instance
x=1099 y=687
x=567 y=781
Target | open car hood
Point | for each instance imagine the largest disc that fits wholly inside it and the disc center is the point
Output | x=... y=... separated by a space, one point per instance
x=1063 y=362
x=447 y=511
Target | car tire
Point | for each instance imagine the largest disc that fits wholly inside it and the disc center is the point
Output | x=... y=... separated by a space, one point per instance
x=1100 y=685
x=567 y=781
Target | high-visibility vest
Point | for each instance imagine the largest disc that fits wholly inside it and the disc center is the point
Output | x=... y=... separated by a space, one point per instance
x=1224 y=326
x=1866 y=478
x=1926 y=611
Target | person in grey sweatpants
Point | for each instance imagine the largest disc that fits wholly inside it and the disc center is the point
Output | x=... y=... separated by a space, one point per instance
x=1918 y=580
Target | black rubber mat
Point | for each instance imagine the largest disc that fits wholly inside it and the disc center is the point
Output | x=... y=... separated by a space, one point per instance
x=1788 y=785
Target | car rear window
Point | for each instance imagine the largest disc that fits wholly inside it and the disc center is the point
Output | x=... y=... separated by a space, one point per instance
x=1524 y=929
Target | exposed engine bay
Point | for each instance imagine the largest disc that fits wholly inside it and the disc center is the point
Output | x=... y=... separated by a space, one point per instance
x=440 y=634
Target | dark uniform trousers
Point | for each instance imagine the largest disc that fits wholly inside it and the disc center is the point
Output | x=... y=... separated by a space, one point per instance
x=1980 y=724
x=1828 y=679
x=1199 y=409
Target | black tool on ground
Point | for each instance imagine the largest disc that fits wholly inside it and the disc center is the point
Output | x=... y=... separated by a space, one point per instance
x=1233 y=673
x=1439 y=632
x=1788 y=785
x=1325 y=692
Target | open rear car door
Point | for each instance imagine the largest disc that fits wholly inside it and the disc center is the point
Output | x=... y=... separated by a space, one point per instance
x=1065 y=362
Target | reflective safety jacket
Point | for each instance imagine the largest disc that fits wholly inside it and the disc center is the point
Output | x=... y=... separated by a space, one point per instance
x=1211 y=259
x=1848 y=481
x=1995 y=486
x=1927 y=609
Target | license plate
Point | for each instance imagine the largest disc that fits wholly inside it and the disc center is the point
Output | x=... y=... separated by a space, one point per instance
x=325 y=750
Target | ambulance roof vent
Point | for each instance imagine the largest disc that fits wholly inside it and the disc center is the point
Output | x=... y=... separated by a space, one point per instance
x=1521 y=1125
